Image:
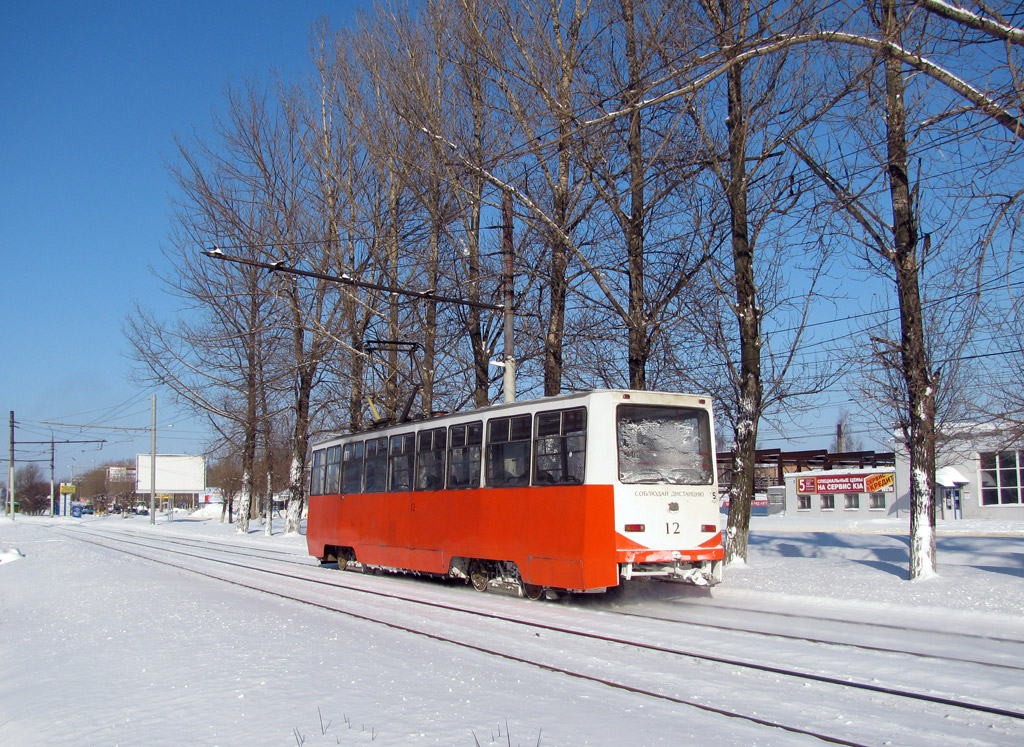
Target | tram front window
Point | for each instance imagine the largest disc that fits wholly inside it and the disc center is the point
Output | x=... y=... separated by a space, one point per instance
x=664 y=445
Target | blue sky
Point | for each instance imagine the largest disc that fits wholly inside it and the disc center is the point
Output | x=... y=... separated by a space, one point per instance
x=91 y=96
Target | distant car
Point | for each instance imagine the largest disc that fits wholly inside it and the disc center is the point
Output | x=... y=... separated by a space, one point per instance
x=88 y=510
x=142 y=511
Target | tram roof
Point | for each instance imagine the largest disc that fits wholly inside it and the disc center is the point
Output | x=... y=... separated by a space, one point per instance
x=499 y=407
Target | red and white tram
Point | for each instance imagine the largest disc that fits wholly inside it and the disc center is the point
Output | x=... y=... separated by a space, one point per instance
x=569 y=493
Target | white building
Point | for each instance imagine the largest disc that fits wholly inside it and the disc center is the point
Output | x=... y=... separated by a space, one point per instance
x=979 y=473
x=843 y=493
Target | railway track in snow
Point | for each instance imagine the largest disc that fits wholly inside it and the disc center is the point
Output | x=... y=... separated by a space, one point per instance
x=919 y=642
x=667 y=659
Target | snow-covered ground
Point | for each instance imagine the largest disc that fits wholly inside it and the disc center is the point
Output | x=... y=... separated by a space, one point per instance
x=101 y=648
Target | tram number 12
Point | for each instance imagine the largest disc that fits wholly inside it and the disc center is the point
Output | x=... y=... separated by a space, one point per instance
x=671 y=527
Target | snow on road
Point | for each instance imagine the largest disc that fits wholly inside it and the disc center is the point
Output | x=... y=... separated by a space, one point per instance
x=98 y=647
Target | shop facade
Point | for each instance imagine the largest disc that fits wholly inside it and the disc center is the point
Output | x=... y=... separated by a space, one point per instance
x=845 y=493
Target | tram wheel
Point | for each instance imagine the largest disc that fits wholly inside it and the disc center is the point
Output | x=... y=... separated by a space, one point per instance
x=533 y=592
x=479 y=575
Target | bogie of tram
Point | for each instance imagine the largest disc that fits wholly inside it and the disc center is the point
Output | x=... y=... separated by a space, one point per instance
x=575 y=493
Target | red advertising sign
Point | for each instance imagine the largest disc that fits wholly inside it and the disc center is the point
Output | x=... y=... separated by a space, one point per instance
x=882 y=482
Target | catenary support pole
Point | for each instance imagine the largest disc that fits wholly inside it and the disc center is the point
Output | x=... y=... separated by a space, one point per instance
x=10 y=470
x=509 y=378
x=152 y=468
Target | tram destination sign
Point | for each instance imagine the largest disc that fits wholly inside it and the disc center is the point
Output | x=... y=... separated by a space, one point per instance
x=880 y=482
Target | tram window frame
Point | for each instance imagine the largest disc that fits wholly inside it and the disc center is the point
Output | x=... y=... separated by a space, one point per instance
x=352 y=468
x=375 y=465
x=401 y=462
x=431 y=447
x=318 y=472
x=465 y=453
x=560 y=447
x=332 y=485
x=508 y=452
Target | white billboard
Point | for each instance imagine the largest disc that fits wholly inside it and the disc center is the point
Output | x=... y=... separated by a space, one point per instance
x=175 y=473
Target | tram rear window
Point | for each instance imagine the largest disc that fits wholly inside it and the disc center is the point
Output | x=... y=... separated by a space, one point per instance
x=669 y=445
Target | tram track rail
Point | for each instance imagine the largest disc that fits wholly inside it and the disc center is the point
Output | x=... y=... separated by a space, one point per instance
x=191 y=550
x=733 y=628
x=306 y=562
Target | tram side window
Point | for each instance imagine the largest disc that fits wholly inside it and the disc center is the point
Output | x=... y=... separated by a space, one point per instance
x=430 y=459
x=333 y=486
x=375 y=466
x=403 y=453
x=560 y=447
x=318 y=474
x=508 y=451
x=465 y=444
x=352 y=468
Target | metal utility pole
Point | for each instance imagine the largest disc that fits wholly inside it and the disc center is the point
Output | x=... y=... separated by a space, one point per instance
x=152 y=468
x=509 y=378
x=10 y=470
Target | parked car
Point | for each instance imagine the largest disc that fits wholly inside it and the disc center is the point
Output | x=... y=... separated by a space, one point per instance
x=87 y=510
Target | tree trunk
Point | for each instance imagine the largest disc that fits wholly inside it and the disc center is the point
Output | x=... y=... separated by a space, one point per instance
x=914 y=356
x=634 y=225
x=249 y=431
x=748 y=317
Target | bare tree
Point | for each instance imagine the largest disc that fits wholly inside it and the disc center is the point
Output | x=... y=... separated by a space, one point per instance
x=910 y=112
x=221 y=359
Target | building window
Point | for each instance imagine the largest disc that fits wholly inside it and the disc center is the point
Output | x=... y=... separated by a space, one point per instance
x=828 y=502
x=1001 y=477
x=851 y=501
x=803 y=503
x=877 y=502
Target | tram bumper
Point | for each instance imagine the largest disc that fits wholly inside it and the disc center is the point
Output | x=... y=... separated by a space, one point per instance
x=701 y=573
